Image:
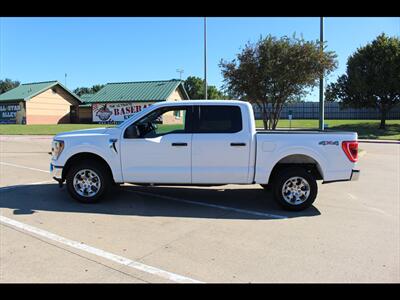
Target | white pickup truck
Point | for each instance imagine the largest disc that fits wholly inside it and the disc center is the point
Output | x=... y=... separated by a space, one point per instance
x=202 y=142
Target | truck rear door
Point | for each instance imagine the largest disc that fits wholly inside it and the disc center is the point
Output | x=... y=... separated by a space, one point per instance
x=220 y=145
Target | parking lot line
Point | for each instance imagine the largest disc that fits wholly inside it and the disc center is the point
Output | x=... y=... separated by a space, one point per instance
x=245 y=211
x=98 y=252
x=23 y=167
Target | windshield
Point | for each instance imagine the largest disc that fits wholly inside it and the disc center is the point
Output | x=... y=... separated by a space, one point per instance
x=142 y=112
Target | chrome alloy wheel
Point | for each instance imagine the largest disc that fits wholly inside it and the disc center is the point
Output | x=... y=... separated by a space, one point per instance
x=296 y=190
x=87 y=183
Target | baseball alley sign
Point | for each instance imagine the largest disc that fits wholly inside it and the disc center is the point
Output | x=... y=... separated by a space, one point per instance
x=115 y=112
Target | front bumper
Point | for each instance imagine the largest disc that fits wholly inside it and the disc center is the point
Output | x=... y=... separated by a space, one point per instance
x=56 y=173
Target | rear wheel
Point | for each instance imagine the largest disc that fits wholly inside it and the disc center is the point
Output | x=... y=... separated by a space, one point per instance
x=295 y=188
x=88 y=181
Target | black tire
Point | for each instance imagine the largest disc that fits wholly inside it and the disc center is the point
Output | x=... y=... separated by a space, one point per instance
x=97 y=168
x=283 y=176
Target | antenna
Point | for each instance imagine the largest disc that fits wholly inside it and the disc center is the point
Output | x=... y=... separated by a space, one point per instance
x=65 y=79
x=180 y=71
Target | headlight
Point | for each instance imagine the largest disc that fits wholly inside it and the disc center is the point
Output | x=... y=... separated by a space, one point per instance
x=57 y=148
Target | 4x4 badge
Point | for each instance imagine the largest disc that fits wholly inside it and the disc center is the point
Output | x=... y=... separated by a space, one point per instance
x=324 y=143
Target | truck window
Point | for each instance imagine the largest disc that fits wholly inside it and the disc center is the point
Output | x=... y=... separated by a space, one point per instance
x=218 y=119
x=160 y=122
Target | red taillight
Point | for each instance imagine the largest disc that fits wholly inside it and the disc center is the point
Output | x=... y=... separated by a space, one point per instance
x=351 y=150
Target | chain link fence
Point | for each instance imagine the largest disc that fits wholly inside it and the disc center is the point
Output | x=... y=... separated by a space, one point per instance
x=310 y=110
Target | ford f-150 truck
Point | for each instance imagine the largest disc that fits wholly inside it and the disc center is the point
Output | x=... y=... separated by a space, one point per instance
x=202 y=142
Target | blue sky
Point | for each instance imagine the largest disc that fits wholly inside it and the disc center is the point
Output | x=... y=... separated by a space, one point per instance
x=100 y=50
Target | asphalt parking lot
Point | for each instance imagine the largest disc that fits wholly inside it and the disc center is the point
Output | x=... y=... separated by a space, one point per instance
x=196 y=234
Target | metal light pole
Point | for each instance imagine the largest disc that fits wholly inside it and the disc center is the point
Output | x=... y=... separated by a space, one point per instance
x=205 y=57
x=321 y=79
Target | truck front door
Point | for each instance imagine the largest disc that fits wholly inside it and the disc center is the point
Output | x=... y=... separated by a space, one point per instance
x=157 y=148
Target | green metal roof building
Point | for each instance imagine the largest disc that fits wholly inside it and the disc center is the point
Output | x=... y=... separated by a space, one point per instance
x=47 y=102
x=50 y=102
x=117 y=97
x=85 y=97
x=140 y=91
x=27 y=91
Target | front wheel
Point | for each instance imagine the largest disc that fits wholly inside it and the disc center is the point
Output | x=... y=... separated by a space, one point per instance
x=295 y=189
x=88 y=181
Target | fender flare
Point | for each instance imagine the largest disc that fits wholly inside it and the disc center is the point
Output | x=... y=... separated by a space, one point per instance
x=321 y=161
x=89 y=149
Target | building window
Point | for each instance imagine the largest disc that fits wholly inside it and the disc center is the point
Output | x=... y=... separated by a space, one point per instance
x=177 y=114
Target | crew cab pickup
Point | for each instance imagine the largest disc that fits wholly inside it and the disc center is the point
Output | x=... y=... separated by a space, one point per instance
x=202 y=142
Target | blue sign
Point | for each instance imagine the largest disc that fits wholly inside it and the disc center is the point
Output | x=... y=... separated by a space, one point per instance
x=8 y=113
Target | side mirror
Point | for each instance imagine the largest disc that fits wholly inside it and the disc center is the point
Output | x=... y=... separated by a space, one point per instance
x=132 y=132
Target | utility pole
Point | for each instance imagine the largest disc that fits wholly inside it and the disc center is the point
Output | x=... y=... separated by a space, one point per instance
x=180 y=71
x=321 y=79
x=205 y=57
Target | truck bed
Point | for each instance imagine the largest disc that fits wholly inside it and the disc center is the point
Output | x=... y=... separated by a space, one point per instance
x=315 y=146
x=300 y=131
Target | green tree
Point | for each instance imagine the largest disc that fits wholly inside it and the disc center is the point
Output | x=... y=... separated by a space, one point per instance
x=372 y=77
x=85 y=90
x=194 y=86
x=96 y=88
x=273 y=71
x=215 y=94
x=295 y=99
x=82 y=90
x=8 y=84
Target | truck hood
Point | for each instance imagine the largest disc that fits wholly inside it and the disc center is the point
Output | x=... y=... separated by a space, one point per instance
x=84 y=132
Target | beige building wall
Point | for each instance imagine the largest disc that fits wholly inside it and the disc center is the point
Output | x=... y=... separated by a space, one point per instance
x=49 y=107
x=176 y=95
x=169 y=117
